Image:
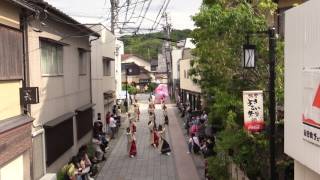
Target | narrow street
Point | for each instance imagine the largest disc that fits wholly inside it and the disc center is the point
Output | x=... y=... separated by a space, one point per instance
x=149 y=163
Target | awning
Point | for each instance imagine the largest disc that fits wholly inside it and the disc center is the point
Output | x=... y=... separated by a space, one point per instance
x=10 y=123
x=58 y=120
x=85 y=107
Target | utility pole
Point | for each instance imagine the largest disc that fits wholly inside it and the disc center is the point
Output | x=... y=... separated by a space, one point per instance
x=272 y=101
x=114 y=7
x=167 y=46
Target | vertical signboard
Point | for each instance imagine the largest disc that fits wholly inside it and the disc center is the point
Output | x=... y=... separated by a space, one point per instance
x=311 y=104
x=253 y=110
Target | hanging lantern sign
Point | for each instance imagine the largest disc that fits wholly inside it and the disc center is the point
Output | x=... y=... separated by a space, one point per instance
x=253 y=110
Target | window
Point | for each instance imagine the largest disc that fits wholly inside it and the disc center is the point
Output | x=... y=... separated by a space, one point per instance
x=51 y=58
x=106 y=67
x=11 y=54
x=82 y=62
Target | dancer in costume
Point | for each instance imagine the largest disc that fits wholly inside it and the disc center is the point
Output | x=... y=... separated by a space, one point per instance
x=164 y=145
x=131 y=146
x=151 y=126
x=132 y=126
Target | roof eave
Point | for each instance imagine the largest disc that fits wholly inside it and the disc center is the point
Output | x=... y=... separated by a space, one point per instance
x=23 y=4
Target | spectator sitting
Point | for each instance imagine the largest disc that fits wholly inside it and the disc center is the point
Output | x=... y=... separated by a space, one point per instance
x=72 y=170
x=85 y=168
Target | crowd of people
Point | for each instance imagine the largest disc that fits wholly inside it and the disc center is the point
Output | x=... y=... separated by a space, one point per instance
x=157 y=131
x=83 y=167
x=195 y=123
x=80 y=167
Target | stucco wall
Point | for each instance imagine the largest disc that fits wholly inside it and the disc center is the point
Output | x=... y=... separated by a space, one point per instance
x=58 y=94
x=176 y=56
x=187 y=83
x=103 y=47
x=10 y=99
x=120 y=52
x=9 y=14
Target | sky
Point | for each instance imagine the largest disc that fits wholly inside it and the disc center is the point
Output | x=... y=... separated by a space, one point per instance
x=98 y=11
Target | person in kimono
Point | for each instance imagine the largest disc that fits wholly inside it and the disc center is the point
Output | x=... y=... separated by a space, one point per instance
x=132 y=126
x=165 y=115
x=156 y=138
x=131 y=146
x=151 y=127
x=164 y=145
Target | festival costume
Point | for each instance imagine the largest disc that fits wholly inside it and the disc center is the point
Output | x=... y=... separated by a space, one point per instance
x=164 y=145
x=150 y=126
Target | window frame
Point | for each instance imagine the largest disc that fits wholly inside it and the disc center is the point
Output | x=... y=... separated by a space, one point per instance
x=82 y=62
x=109 y=60
x=59 y=67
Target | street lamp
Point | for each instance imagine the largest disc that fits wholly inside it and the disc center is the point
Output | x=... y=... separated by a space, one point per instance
x=249 y=55
x=249 y=62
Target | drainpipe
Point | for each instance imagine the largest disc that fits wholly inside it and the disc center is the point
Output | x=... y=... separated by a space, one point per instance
x=25 y=81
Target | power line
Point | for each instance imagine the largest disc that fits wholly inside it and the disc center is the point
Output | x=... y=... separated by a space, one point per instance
x=163 y=4
x=150 y=1
x=163 y=12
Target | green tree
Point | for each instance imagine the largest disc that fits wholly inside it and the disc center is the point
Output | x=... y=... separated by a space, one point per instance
x=149 y=45
x=221 y=30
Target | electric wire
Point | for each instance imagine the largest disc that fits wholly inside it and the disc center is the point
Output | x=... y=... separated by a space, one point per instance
x=162 y=6
x=165 y=9
x=145 y=12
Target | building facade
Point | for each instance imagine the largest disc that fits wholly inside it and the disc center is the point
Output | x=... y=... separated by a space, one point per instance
x=103 y=65
x=15 y=124
x=302 y=93
x=119 y=53
x=190 y=93
x=59 y=64
x=176 y=57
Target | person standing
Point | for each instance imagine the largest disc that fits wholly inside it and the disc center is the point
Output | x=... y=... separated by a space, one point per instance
x=113 y=126
x=164 y=145
x=151 y=127
x=194 y=144
x=108 y=115
x=131 y=146
x=165 y=115
x=133 y=127
x=136 y=111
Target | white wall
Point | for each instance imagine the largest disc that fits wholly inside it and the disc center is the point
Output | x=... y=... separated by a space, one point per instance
x=176 y=56
x=105 y=46
x=302 y=42
x=186 y=82
x=138 y=61
x=118 y=76
x=58 y=94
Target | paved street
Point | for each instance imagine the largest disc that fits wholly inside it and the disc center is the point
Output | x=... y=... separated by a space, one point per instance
x=149 y=163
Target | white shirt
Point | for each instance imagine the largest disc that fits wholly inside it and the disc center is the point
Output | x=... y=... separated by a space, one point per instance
x=195 y=140
x=113 y=122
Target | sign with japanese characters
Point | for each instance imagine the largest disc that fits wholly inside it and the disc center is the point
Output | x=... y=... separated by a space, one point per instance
x=253 y=110
x=311 y=102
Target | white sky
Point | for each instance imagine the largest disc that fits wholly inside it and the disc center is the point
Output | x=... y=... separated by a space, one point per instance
x=98 y=11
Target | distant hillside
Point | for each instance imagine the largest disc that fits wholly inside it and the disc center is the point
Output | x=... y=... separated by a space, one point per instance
x=147 y=45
